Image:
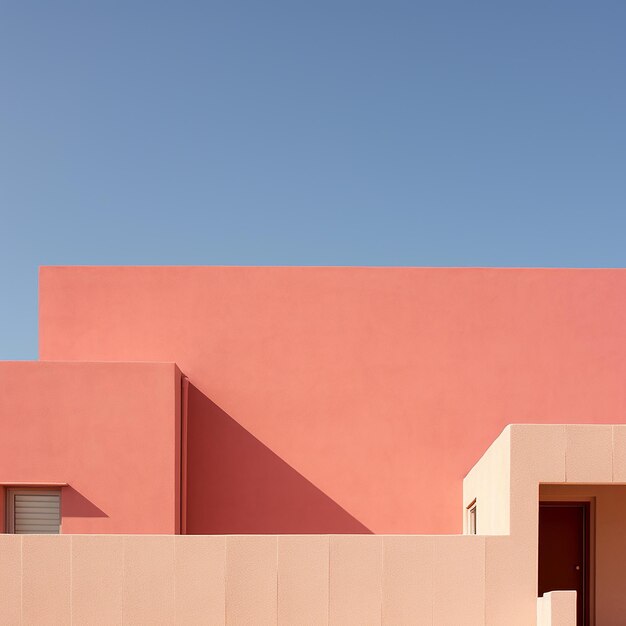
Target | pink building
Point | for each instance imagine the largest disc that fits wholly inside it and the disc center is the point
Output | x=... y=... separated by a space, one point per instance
x=317 y=445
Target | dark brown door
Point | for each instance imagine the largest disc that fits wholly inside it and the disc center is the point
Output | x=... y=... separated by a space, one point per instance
x=564 y=551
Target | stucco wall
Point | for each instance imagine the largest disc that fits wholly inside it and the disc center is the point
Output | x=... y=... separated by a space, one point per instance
x=489 y=485
x=366 y=392
x=557 y=608
x=541 y=454
x=108 y=430
x=243 y=580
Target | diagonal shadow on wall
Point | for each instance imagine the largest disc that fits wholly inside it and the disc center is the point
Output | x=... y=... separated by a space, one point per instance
x=75 y=504
x=237 y=485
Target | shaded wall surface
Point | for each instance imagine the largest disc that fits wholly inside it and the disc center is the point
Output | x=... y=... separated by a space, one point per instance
x=238 y=485
x=608 y=541
x=364 y=394
x=108 y=430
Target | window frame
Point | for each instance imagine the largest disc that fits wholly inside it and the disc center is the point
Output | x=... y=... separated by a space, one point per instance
x=472 y=518
x=11 y=492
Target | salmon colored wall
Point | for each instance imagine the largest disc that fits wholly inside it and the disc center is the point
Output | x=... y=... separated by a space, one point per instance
x=355 y=398
x=108 y=430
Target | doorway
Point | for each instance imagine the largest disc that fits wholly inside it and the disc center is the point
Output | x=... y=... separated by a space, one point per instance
x=564 y=549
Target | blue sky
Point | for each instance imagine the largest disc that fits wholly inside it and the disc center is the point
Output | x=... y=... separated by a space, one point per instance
x=307 y=133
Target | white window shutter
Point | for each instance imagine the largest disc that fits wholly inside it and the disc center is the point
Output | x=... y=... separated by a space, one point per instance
x=36 y=512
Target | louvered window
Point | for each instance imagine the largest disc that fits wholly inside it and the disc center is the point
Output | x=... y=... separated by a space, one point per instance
x=34 y=511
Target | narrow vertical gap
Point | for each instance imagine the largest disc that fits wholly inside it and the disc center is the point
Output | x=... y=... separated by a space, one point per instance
x=225 y=565
x=277 y=539
x=583 y=511
x=22 y=580
x=432 y=582
x=180 y=460
x=123 y=578
x=329 y=573
x=485 y=580
x=184 y=407
x=382 y=576
x=71 y=580
x=174 y=577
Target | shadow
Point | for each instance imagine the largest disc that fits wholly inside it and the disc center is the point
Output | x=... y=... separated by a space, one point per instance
x=237 y=485
x=74 y=504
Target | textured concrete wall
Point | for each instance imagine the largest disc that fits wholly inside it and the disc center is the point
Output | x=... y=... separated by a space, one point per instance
x=340 y=580
x=343 y=579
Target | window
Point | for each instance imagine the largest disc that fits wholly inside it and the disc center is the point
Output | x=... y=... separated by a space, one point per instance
x=471 y=518
x=33 y=511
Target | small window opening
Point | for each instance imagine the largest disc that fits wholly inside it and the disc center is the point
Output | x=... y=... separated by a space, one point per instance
x=33 y=511
x=471 y=519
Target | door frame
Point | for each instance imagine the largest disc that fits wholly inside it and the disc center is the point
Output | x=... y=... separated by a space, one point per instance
x=588 y=504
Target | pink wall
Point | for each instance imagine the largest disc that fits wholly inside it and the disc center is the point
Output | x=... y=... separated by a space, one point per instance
x=108 y=430
x=349 y=399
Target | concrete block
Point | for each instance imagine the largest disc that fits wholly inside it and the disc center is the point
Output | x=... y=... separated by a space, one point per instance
x=303 y=562
x=407 y=579
x=148 y=579
x=46 y=567
x=97 y=577
x=589 y=454
x=251 y=579
x=459 y=580
x=200 y=571
x=355 y=579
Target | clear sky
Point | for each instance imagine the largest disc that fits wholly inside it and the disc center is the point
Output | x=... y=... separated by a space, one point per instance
x=307 y=133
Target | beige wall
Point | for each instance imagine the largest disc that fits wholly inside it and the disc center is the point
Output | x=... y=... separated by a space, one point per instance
x=608 y=523
x=489 y=483
x=557 y=608
x=239 y=579
x=565 y=454
x=260 y=579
